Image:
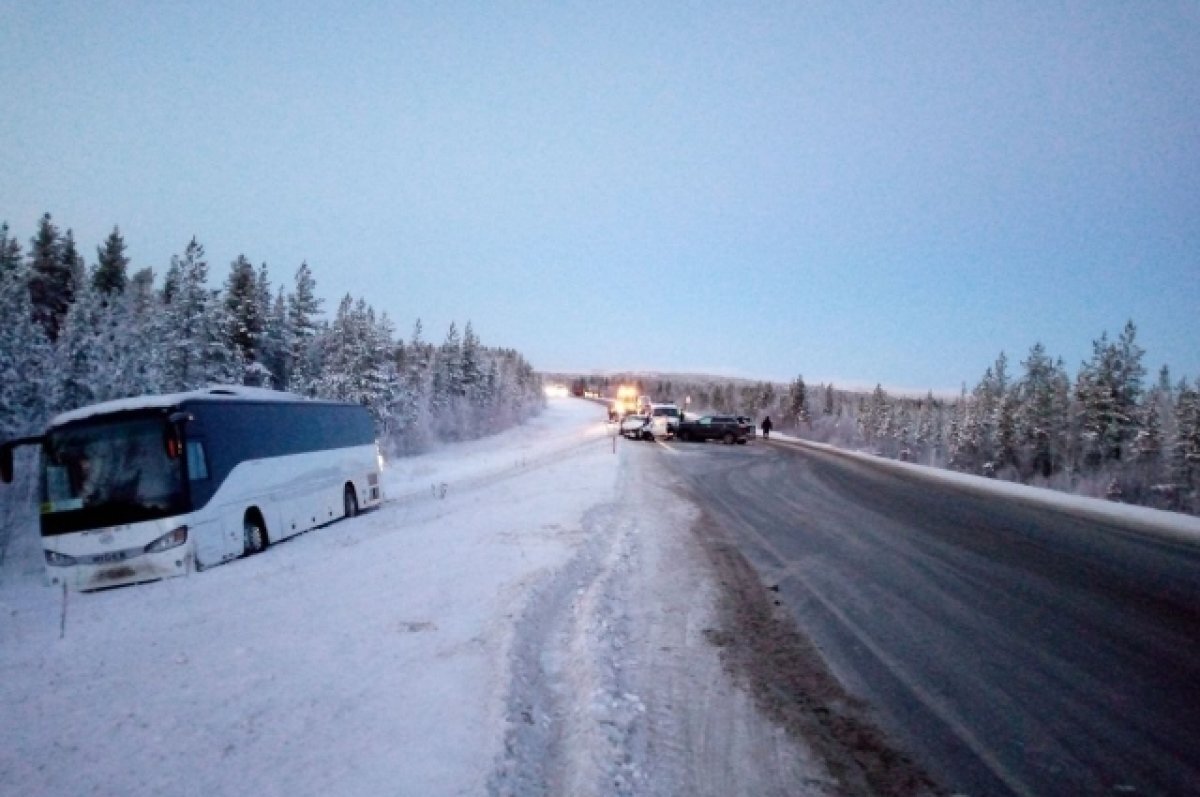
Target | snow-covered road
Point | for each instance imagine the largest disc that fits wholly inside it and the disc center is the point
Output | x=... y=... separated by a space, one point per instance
x=527 y=615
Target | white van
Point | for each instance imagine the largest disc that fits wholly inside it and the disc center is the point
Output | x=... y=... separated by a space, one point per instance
x=664 y=419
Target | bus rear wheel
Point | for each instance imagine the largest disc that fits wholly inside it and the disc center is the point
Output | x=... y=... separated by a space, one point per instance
x=255 y=532
x=350 y=501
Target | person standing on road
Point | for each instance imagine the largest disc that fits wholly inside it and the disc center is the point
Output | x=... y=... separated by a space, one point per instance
x=766 y=426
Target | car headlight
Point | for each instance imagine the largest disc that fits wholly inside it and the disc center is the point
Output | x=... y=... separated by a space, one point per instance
x=172 y=539
x=56 y=559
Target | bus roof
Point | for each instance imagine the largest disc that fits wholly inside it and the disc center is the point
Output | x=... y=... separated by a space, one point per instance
x=165 y=400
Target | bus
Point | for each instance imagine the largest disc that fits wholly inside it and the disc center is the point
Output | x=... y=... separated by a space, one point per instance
x=151 y=487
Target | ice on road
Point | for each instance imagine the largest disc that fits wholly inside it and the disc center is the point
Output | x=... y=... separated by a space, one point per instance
x=525 y=615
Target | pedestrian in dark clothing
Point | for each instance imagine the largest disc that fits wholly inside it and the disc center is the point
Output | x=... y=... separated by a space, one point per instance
x=766 y=426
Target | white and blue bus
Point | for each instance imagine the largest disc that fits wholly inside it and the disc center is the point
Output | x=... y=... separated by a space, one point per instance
x=155 y=486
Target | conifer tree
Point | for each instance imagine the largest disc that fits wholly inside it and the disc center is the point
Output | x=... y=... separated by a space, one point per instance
x=196 y=327
x=1108 y=389
x=924 y=436
x=111 y=265
x=72 y=263
x=275 y=344
x=77 y=364
x=303 y=328
x=472 y=369
x=51 y=277
x=11 y=264
x=1043 y=415
x=24 y=350
x=410 y=405
x=244 y=309
x=795 y=411
x=447 y=384
x=141 y=285
x=1185 y=455
x=338 y=344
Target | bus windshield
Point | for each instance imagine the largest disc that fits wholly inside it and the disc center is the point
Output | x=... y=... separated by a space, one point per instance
x=110 y=472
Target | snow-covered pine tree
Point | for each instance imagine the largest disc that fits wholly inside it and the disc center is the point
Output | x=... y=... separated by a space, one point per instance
x=275 y=344
x=1043 y=413
x=1108 y=389
x=24 y=349
x=195 y=328
x=445 y=407
x=795 y=411
x=962 y=439
x=493 y=419
x=260 y=372
x=131 y=328
x=11 y=264
x=51 y=277
x=78 y=365
x=141 y=285
x=303 y=330
x=72 y=261
x=112 y=264
x=382 y=378
x=472 y=380
x=1185 y=453
x=246 y=314
x=410 y=405
x=925 y=436
x=338 y=344
x=1148 y=447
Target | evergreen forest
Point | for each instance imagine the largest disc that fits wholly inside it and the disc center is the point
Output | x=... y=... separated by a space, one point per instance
x=77 y=333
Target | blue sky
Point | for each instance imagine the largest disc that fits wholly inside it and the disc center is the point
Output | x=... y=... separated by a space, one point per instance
x=858 y=192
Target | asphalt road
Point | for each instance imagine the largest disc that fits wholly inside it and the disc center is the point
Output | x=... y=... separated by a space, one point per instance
x=1010 y=649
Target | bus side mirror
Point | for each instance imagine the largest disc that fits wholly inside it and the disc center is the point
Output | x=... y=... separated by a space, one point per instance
x=173 y=435
x=6 y=455
x=171 y=442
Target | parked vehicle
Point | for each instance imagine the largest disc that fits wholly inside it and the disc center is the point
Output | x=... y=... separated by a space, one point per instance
x=634 y=426
x=749 y=424
x=725 y=428
x=664 y=420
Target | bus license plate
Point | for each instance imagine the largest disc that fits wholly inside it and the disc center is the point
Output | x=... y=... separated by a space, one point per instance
x=102 y=558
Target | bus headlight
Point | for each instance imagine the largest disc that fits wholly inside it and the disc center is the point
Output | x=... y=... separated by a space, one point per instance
x=172 y=539
x=56 y=559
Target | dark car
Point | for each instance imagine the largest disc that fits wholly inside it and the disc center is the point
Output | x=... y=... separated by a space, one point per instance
x=726 y=428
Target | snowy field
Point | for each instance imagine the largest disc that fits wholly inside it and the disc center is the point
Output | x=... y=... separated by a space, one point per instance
x=525 y=615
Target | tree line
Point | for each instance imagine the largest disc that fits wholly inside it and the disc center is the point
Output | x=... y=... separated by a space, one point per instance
x=1108 y=432
x=75 y=334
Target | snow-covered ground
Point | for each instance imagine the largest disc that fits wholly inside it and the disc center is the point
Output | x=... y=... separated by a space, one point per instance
x=526 y=615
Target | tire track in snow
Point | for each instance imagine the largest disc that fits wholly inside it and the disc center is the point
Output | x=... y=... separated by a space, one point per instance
x=569 y=719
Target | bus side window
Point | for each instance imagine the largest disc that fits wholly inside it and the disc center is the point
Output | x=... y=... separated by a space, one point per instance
x=197 y=464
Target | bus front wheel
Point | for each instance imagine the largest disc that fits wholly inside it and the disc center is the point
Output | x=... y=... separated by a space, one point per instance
x=256 y=534
x=350 y=500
